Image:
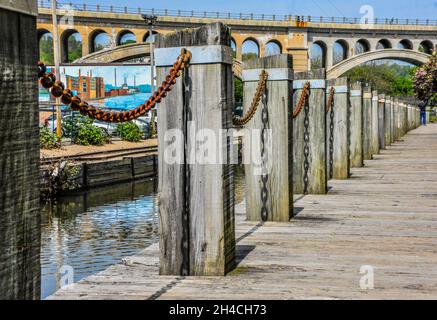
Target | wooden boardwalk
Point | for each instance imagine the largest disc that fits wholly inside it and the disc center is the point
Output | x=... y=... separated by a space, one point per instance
x=385 y=216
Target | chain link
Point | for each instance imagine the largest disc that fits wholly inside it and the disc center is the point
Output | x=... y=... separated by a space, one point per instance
x=330 y=106
x=302 y=99
x=58 y=90
x=241 y=121
x=306 y=137
x=264 y=158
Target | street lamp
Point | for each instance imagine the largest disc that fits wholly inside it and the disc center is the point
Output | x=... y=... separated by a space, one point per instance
x=151 y=21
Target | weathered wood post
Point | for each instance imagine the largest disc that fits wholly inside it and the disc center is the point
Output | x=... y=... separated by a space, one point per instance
x=387 y=121
x=381 y=121
x=396 y=120
x=392 y=121
x=367 y=123
x=20 y=228
x=404 y=118
x=337 y=129
x=309 y=127
x=196 y=187
x=410 y=118
x=375 y=123
x=269 y=194
x=356 y=133
x=428 y=117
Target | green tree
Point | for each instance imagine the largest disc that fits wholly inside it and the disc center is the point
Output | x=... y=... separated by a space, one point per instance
x=389 y=78
x=249 y=56
x=74 y=49
x=46 y=53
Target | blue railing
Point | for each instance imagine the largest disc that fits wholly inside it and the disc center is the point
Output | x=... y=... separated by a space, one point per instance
x=240 y=16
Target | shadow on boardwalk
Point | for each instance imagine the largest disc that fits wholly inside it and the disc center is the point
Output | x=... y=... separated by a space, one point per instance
x=386 y=217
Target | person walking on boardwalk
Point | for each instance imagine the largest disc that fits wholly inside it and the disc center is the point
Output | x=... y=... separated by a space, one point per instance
x=422 y=107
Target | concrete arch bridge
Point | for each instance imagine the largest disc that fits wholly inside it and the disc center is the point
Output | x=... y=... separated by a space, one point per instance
x=131 y=52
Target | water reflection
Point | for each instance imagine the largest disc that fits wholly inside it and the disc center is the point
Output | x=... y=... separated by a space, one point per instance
x=93 y=230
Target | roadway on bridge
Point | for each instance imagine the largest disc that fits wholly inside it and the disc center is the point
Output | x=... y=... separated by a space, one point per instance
x=385 y=216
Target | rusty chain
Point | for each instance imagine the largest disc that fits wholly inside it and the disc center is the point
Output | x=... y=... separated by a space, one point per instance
x=302 y=99
x=58 y=90
x=241 y=121
x=330 y=105
x=330 y=102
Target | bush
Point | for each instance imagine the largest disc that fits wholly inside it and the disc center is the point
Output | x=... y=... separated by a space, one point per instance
x=48 y=139
x=82 y=131
x=129 y=131
x=91 y=135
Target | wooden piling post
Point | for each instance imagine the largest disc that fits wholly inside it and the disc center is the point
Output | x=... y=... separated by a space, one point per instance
x=395 y=122
x=196 y=198
x=20 y=226
x=375 y=122
x=404 y=118
x=269 y=194
x=387 y=121
x=337 y=135
x=356 y=132
x=316 y=174
x=381 y=121
x=367 y=123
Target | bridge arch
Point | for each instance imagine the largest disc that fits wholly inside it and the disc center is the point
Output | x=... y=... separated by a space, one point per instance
x=383 y=44
x=125 y=37
x=405 y=44
x=250 y=48
x=414 y=57
x=66 y=39
x=318 y=53
x=426 y=46
x=45 y=44
x=273 y=47
x=99 y=39
x=362 y=46
x=340 y=51
x=147 y=37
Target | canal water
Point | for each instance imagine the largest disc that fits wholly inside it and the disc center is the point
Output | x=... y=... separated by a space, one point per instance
x=86 y=232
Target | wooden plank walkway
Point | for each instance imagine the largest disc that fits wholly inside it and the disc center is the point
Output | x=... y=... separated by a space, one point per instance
x=384 y=216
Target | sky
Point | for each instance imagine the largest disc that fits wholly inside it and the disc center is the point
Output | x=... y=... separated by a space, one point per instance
x=422 y=9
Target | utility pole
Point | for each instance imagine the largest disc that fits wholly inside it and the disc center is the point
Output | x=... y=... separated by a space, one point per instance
x=57 y=65
x=151 y=21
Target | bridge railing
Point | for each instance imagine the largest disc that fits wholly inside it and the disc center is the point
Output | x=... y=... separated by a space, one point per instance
x=241 y=16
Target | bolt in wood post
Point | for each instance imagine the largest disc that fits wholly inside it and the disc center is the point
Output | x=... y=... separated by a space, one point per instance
x=367 y=123
x=317 y=170
x=387 y=121
x=341 y=129
x=269 y=182
x=356 y=146
x=375 y=123
x=196 y=194
x=381 y=121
